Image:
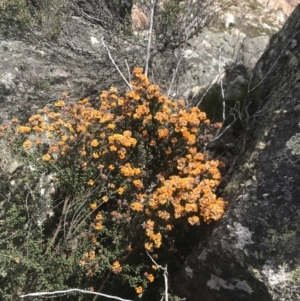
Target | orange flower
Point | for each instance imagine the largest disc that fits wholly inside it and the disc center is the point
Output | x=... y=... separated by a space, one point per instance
x=111 y=126
x=152 y=142
x=156 y=238
x=23 y=129
x=81 y=128
x=95 y=155
x=194 y=220
x=148 y=246
x=122 y=153
x=94 y=143
x=116 y=267
x=128 y=171
x=92 y=255
x=91 y=182
x=46 y=158
x=98 y=226
x=181 y=163
x=113 y=90
x=27 y=144
x=133 y=95
x=120 y=101
x=150 y=277
x=137 y=206
x=163 y=133
x=105 y=198
x=59 y=103
x=98 y=217
x=169 y=227
x=163 y=214
x=137 y=70
x=138 y=183
x=53 y=149
x=93 y=206
x=121 y=190
x=139 y=290
x=168 y=151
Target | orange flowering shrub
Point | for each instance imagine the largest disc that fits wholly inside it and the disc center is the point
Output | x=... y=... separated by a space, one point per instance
x=133 y=168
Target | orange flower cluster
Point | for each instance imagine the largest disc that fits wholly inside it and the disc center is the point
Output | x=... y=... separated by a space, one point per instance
x=139 y=289
x=24 y=129
x=116 y=267
x=150 y=277
x=142 y=153
x=124 y=139
x=128 y=171
x=136 y=206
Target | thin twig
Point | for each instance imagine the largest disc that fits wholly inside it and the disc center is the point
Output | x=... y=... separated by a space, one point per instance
x=128 y=69
x=102 y=284
x=53 y=239
x=175 y=73
x=165 y=275
x=221 y=84
x=149 y=37
x=70 y=291
x=114 y=63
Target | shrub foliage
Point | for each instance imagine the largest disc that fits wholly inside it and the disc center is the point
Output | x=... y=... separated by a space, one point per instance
x=32 y=19
x=100 y=186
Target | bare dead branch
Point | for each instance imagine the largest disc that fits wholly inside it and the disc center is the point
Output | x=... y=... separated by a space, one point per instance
x=70 y=291
x=114 y=63
x=149 y=36
x=165 y=269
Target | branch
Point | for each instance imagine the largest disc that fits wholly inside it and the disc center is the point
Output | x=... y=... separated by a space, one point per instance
x=149 y=37
x=52 y=242
x=72 y=290
x=221 y=84
x=174 y=75
x=102 y=284
x=114 y=63
x=165 y=275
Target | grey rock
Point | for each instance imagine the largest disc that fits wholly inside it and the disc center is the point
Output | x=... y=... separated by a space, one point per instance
x=32 y=76
x=206 y=61
x=252 y=253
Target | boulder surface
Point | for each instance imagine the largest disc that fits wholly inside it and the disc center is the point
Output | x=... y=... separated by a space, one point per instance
x=252 y=254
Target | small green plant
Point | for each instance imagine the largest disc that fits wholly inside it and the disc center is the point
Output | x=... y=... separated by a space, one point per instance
x=41 y=85
x=20 y=19
x=103 y=186
x=253 y=5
